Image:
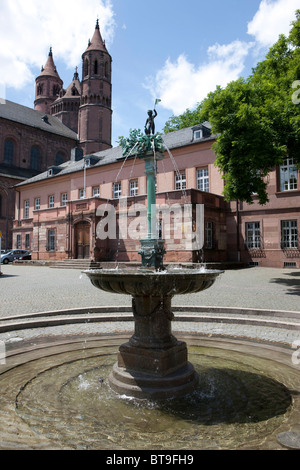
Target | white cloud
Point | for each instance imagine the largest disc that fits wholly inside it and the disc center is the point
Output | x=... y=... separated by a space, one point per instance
x=272 y=19
x=181 y=85
x=28 y=28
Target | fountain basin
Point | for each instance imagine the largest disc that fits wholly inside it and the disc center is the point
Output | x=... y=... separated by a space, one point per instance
x=148 y=282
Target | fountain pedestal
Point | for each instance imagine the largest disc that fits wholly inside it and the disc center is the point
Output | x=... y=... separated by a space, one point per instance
x=153 y=363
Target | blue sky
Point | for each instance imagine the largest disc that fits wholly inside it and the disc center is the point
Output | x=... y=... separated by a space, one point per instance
x=169 y=49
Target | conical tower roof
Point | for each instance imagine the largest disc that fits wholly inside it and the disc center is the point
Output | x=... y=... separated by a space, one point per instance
x=50 y=68
x=74 y=89
x=97 y=43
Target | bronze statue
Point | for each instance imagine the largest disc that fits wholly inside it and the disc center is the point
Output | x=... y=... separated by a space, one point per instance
x=150 y=126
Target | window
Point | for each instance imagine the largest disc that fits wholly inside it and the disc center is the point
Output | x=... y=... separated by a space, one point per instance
x=26 y=209
x=86 y=68
x=81 y=194
x=64 y=198
x=253 y=235
x=288 y=175
x=37 y=204
x=35 y=159
x=203 y=180
x=133 y=188
x=9 y=152
x=27 y=241
x=198 y=134
x=59 y=159
x=209 y=235
x=51 y=202
x=289 y=234
x=96 y=191
x=96 y=67
x=18 y=242
x=51 y=240
x=116 y=190
x=180 y=181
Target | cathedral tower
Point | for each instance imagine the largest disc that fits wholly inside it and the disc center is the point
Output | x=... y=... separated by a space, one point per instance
x=66 y=106
x=48 y=86
x=95 y=113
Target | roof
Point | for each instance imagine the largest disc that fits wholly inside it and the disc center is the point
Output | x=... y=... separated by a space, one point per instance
x=30 y=117
x=185 y=136
x=97 y=43
x=50 y=69
x=16 y=172
x=172 y=140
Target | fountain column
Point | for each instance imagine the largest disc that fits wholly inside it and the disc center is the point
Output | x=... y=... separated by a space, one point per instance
x=152 y=248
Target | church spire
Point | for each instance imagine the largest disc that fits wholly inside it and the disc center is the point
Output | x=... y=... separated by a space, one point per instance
x=97 y=43
x=48 y=85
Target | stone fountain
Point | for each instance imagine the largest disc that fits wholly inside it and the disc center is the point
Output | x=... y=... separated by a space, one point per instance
x=153 y=363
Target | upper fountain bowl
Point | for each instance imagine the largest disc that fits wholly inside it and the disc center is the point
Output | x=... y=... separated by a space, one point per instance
x=147 y=282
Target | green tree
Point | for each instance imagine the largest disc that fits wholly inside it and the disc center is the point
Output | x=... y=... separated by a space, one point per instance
x=256 y=120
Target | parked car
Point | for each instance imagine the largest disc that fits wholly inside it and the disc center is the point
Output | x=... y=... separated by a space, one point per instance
x=26 y=256
x=11 y=255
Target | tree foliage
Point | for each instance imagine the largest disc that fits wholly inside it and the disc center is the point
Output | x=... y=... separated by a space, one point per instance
x=256 y=120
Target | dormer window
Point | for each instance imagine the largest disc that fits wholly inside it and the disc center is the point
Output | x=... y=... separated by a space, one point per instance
x=53 y=170
x=198 y=134
x=201 y=131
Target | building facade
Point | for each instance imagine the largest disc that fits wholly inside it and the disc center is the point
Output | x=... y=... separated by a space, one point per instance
x=31 y=140
x=29 y=143
x=268 y=235
x=65 y=212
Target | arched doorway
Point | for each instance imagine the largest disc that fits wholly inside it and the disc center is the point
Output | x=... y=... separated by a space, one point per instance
x=82 y=240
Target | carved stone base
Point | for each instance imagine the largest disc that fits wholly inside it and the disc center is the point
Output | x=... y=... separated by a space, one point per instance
x=157 y=362
x=140 y=385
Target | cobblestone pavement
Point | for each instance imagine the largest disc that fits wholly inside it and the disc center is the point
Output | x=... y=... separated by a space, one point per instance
x=28 y=289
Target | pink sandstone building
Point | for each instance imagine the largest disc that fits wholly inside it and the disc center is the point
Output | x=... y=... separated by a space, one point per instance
x=58 y=212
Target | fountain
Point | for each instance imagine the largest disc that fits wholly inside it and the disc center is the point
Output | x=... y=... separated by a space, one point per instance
x=153 y=364
x=63 y=390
